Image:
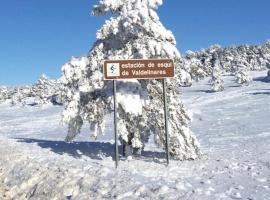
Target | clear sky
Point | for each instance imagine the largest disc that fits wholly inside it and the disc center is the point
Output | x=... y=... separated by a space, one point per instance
x=39 y=36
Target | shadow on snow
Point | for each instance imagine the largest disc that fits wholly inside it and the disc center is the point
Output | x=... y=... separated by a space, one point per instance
x=94 y=150
x=205 y=91
x=260 y=93
x=262 y=79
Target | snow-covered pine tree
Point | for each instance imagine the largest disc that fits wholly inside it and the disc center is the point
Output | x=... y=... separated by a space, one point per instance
x=10 y=91
x=205 y=58
x=254 y=57
x=17 y=96
x=46 y=90
x=216 y=78
x=3 y=93
x=133 y=32
x=226 y=61
x=194 y=66
x=43 y=91
x=183 y=74
x=267 y=56
x=242 y=76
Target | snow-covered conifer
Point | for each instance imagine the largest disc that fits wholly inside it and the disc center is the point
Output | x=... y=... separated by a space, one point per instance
x=183 y=75
x=46 y=90
x=254 y=57
x=216 y=78
x=3 y=94
x=194 y=66
x=133 y=32
x=242 y=75
x=17 y=96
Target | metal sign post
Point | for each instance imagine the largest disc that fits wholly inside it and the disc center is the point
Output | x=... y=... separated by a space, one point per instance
x=115 y=124
x=139 y=69
x=166 y=120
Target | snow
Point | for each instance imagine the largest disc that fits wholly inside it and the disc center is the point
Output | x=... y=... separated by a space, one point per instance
x=128 y=96
x=232 y=127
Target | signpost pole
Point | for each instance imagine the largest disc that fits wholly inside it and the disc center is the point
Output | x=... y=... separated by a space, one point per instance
x=115 y=124
x=139 y=69
x=166 y=119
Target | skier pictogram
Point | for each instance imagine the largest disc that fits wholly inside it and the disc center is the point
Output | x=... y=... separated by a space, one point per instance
x=113 y=70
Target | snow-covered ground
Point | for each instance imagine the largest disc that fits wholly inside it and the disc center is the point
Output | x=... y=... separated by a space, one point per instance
x=232 y=127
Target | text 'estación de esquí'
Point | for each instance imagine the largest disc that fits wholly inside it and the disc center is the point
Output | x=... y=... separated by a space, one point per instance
x=138 y=69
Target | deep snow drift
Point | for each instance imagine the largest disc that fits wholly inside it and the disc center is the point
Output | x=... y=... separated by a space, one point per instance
x=232 y=127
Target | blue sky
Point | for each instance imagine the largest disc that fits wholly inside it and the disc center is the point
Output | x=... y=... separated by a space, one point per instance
x=38 y=36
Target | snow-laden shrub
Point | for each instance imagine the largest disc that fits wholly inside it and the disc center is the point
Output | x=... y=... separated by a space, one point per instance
x=133 y=32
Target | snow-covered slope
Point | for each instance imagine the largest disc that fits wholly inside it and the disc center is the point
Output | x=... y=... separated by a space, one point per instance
x=232 y=127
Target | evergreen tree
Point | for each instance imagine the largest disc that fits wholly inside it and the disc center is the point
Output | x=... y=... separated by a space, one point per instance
x=242 y=76
x=3 y=93
x=216 y=78
x=194 y=66
x=133 y=32
x=46 y=91
x=183 y=75
x=17 y=97
x=253 y=57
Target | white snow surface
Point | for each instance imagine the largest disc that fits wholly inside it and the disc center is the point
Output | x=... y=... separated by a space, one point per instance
x=232 y=127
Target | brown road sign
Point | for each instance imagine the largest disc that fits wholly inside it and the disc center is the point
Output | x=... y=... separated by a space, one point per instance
x=138 y=69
